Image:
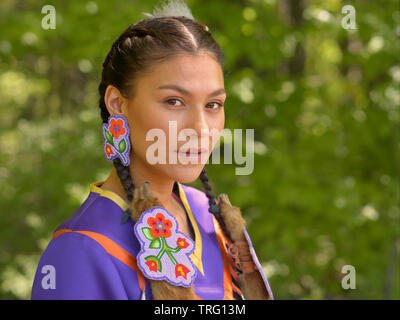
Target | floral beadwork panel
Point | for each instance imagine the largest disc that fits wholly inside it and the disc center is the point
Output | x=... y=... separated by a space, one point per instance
x=165 y=252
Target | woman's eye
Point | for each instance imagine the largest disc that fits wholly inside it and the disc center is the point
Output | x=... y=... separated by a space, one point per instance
x=173 y=104
x=211 y=105
x=215 y=105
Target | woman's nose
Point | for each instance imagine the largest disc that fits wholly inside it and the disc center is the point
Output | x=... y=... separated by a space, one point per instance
x=198 y=122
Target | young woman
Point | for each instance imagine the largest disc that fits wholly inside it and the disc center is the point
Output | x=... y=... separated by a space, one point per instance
x=164 y=69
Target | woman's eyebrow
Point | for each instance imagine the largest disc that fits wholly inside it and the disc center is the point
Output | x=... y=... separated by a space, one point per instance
x=183 y=91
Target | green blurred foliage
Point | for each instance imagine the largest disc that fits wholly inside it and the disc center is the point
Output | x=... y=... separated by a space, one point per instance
x=324 y=103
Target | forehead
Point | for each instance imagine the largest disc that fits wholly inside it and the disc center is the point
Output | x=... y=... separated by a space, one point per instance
x=196 y=73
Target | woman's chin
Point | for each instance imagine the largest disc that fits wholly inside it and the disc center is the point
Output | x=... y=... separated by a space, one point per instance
x=187 y=174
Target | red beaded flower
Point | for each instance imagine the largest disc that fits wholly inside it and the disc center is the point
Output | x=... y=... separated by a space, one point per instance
x=152 y=264
x=181 y=270
x=182 y=243
x=117 y=128
x=160 y=226
x=109 y=150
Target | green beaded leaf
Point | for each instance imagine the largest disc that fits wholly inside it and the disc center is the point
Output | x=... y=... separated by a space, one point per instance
x=147 y=233
x=108 y=136
x=122 y=146
x=155 y=244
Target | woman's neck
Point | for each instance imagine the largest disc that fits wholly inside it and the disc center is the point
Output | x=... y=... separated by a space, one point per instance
x=161 y=189
x=160 y=186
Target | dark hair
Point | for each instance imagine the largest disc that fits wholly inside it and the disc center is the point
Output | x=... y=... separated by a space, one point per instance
x=140 y=46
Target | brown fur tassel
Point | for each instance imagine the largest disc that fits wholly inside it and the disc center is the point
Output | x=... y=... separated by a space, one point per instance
x=161 y=289
x=251 y=284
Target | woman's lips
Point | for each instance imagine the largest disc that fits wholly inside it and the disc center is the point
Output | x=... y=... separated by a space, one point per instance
x=192 y=154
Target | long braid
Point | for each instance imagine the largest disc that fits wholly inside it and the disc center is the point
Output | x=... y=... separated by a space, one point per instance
x=213 y=206
x=216 y=211
x=124 y=175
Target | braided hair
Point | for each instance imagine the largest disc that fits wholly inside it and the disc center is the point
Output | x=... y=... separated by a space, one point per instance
x=136 y=49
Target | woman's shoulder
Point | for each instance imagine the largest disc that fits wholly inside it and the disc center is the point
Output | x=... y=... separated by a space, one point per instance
x=89 y=250
x=100 y=217
x=102 y=213
x=75 y=266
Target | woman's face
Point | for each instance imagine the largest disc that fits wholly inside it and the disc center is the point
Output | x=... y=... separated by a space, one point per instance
x=185 y=92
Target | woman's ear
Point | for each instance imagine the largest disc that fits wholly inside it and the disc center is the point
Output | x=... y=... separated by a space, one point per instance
x=114 y=100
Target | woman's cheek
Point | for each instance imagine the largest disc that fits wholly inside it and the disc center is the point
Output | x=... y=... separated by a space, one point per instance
x=138 y=140
x=217 y=129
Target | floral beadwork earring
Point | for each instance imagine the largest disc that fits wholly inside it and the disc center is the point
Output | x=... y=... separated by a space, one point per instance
x=116 y=139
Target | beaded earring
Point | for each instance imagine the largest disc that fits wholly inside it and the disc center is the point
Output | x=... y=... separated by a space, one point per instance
x=116 y=139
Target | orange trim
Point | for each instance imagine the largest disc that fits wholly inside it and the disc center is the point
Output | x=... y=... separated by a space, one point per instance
x=237 y=290
x=228 y=285
x=113 y=249
x=60 y=231
x=226 y=241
